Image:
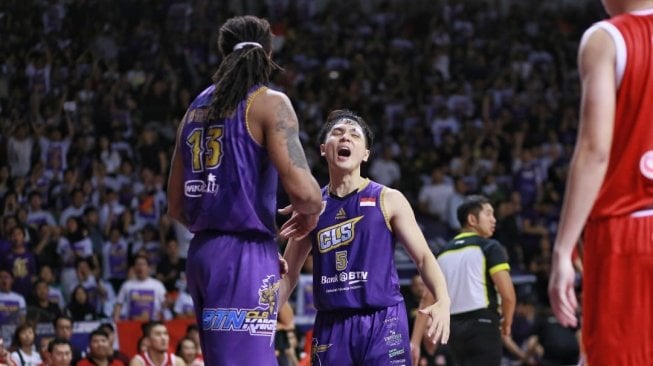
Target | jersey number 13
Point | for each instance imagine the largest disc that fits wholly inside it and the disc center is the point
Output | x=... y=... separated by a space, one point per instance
x=209 y=147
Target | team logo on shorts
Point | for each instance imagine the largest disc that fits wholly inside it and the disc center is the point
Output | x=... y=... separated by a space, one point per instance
x=259 y=321
x=318 y=348
x=267 y=293
x=396 y=352
x=393 y=338
x=646 y=164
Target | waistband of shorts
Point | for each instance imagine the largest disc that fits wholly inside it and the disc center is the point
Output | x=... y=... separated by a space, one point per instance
x=249 y=236
x=485 y=312
x=357 y=311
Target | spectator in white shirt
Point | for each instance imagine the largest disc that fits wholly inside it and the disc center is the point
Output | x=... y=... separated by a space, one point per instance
x=443 y=122
x=140 y=298
x=26 y=353
x=434 y=195
x=455 y=200
x=109 y=157
x=110 y=210
x=19 y=150
x=385 y=169
x=12 y=305
x=37 y=215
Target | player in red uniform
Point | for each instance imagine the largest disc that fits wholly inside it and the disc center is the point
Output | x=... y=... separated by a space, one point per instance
x=610 y=192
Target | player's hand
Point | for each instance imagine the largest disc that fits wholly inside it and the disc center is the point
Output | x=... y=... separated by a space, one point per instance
x=440 y=318
x=415 y=353
x=299 y=225
x=561 y=291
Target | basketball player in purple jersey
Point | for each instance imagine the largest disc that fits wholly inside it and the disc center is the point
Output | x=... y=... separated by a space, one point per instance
x=236 y=139
x=361 y=317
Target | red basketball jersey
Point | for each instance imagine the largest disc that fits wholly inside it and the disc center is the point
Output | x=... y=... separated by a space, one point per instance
x=628 y=185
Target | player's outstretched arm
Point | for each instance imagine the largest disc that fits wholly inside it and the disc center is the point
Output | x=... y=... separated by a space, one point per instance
x=404 y=225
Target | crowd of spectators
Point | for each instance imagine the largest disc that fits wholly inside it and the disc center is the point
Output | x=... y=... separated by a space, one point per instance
x=464 y=97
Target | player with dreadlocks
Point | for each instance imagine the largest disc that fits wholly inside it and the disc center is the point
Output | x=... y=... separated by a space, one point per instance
x=236 y=139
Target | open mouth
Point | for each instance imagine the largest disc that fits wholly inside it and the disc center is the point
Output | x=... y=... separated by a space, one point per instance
x=343 y=151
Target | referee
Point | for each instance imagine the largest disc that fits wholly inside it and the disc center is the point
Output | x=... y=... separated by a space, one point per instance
x=477 y=273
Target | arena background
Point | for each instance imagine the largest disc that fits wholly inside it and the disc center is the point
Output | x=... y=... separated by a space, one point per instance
x=463 y=96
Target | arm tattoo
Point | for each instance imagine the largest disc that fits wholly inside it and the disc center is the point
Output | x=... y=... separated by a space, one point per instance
x=291 y=135
x=295 y=150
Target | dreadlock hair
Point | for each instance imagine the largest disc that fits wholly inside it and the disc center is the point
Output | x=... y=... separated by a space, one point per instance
x=338 y=115
x=242 y=68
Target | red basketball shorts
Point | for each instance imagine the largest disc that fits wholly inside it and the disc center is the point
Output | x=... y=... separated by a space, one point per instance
x=617 y=301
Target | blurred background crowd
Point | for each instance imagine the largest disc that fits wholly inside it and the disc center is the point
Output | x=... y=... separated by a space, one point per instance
x=463 y=96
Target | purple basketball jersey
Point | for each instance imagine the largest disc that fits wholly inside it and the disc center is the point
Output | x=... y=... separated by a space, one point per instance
x=230 y=185
x=353 y=252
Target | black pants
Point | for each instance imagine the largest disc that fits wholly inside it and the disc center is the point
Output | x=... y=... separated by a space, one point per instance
x=476 y=338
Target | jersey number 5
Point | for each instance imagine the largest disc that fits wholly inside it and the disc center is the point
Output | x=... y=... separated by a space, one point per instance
x=209 y=147
x=341 y=260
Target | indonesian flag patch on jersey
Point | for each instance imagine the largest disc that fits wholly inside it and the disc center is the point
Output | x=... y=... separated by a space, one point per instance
x=368 y=201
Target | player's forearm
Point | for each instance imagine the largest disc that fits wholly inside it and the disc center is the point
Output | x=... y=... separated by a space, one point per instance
x=306 y=197
x=419 y=328
x=176 y=189
x=586 y=175
x=434 y=278
x=286 y=287
x=295 y=255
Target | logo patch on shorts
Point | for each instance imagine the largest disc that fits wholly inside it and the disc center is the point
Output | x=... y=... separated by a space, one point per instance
x=395 y=352
x=316 y=348
x=646 y=164
x=260 y=321
x=393 y=338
